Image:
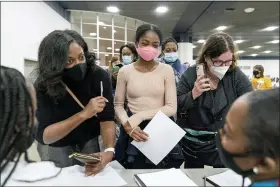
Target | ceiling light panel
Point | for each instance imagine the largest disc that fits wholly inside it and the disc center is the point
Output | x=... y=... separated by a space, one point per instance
x=256 y=47
x=113 y=9
x=221 y=28
x=240 y=52
x=254 y=54
x=273 y=42
x=239 y=41
x=161 y=9
x=271 y=28
x=200 y=41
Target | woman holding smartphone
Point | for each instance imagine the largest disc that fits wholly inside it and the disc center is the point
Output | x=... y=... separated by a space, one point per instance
x=205 y=93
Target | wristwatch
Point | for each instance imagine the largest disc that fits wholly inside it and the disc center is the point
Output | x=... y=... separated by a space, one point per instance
x=111 y=149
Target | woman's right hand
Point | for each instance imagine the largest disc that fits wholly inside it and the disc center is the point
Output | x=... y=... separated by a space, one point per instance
x=94 y=106
x=136 y=133
x=201 y=85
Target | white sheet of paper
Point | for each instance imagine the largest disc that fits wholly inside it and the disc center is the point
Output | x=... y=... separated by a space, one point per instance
x=164 y=134
x=169 y=177
x=69 y=176
x=229 y=178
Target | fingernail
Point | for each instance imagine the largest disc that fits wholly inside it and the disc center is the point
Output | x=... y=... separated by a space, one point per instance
x=106 y=100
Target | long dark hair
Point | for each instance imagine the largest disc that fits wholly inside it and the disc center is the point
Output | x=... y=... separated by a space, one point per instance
x=52 y=57
x=17 y=116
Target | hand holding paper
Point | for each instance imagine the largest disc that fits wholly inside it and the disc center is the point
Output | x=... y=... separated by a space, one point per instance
x=164 y=134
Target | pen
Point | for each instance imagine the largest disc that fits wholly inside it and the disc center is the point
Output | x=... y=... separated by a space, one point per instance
x=101 y=88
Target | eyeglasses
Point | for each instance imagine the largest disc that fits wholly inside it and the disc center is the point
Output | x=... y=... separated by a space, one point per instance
x=220 y=62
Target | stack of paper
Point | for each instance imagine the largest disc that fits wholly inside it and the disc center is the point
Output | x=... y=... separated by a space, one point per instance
x=164 y=134
x=46 y=174
x=170 y=177
x=228 y=178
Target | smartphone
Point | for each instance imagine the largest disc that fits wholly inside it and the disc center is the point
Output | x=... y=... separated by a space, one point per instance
x=200 y=70
x=85 y=158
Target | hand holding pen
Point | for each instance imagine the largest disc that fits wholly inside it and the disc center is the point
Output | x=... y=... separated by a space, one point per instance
x=95 y=105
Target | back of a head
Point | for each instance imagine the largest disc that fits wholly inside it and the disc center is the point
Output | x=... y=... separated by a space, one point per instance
x=262 y=126
x=17 y=115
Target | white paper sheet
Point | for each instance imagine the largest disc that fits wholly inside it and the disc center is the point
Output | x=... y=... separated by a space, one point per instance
x=69 y=176
x=164 y=134
x=229 y=178
x=169 y=177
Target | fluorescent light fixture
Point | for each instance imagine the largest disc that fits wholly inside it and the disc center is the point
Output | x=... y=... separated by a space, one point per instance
x=117 y=49
x=100 y=23
x=200 y=41
x=254 y=54
x=114 y=31
x=104 y=27
x=240 y=52
x=106 y=55
x=267 y=52
x=256 y=47
x=274 y=42
x=92 y=34
x=109 y=48
x=221 y=28
x=113 y=9
x=193 y=46
x=271 y=28
x=249 y=10
x=161 y=9
x=239 y=41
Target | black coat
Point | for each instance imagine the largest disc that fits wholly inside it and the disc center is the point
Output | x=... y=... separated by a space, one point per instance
x=208 y=111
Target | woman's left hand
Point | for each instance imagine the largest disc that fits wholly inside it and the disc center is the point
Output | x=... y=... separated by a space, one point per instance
x=93 y=169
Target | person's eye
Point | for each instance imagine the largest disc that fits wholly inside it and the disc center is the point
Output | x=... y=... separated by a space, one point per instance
x=70 y=61
x=82 y=57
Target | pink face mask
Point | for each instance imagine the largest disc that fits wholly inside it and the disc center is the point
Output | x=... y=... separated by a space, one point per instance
x=147 y=53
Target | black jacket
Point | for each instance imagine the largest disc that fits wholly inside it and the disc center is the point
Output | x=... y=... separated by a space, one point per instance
x=208 y=111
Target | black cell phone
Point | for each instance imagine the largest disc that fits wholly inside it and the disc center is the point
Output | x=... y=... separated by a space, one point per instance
x=85 y=158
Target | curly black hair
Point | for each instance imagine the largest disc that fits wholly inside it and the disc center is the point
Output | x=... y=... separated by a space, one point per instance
x=53 y=56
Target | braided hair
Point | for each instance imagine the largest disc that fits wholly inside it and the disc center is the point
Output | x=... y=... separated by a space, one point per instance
x=17 y=116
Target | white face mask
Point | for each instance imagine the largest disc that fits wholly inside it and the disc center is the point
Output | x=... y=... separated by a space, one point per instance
x=220 y=71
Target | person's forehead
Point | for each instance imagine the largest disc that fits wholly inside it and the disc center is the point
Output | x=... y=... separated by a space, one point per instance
x=75 y=48
x=126 y=49
x=150 y=35
x=225 y=56
x=170 y=45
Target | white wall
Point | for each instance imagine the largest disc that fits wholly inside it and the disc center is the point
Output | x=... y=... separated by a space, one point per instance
x=23 y=26
x=271 y=67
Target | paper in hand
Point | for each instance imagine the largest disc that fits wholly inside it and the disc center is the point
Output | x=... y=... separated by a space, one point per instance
x=164 y=134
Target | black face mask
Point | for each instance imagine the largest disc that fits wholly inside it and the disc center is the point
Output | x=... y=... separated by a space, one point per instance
x=77 y=72
x=255 y=72
x=227 y=159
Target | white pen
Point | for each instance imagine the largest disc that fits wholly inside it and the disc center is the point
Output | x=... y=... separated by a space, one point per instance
x=101 y=88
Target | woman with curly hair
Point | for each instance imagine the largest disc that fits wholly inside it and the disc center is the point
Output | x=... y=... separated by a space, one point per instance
x=75 y=101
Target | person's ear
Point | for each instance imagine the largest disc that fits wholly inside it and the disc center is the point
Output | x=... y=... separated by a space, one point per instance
x=267 y=165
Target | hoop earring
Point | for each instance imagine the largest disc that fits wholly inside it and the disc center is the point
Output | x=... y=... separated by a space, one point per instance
x=255 y=170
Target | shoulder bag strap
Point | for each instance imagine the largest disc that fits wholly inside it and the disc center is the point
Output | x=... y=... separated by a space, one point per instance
x=73 y=96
